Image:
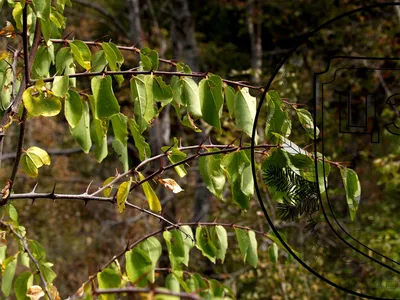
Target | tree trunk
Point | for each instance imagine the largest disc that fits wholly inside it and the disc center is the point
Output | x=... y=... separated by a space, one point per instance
x=135 y=26
x=254 y=27
x=185 y=48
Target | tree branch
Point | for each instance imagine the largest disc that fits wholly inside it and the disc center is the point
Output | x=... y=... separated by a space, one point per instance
x=154 y=233
x=26 y=248
x=137 y=50
x=136 y=290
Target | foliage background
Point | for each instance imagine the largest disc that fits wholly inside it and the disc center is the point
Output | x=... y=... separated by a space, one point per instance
x=78 y=239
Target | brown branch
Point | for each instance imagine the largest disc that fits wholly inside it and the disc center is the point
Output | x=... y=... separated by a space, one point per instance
x=167 y=61
x=28 y=61
x=26 y=248
x=154 y=233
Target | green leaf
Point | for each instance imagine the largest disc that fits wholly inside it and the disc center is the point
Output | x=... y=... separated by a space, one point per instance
x=190 y=96
x=238 y=170
x=65 y=63
x=37 y=250
x=48 y=274
x=42 y=62
x=45 y=26
x=98 y=61
x=140 y=143
x=98 y=130
x=273 y=253
x=138 y=266
x=244 y=110
x=278 y=120
x=139 y=96
x=161 y=91
x=8 y=274
x=122 y=152
x=38 y=103
x=353 y=190
x=119 y=123
x=105 y=103
x=212 y=173
x=108 y=278
x=114 y=59
x=60 y=86
x=101 y=150
x=176 y=156
x=42 y=154
x=306 y=120
x=42 y=8
x=73 y=109
x=22 y=284
x=81 y=53
x=172 y=283
x=230 y=100
x=176 y=251
x=122 y=194
x=12 y=213
x=152 y=199
x=211 y=99
x=220 y=240
x=17 y=15
x=81 y=132
x=188 y=242
x=217 y=289
x=149 y=59
x=33 y=159
x=248 y=246
x=205 y=244
x=152 y=247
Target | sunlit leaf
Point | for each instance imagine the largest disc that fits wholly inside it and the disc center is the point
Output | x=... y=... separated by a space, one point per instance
x=108 y=278
x=149 y=59
x=10 y=265
x=105 y=102
x=122 y=194
x=60 y=86
x=81 y=132
x=244 y=110
x=107 y=191
x=307 y=122
x=81 y=53
x=205 y=244
x=353 y=190
x=211 y=99
x=152 y=199
x=248 y=246
x=21 y=285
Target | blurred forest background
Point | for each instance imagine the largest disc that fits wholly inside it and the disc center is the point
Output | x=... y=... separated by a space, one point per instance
x=243 y=41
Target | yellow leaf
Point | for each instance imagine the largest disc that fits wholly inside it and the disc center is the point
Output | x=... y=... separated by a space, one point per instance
x=122 y=194
x=54 y=293
x=154 y=202
x=107 y=191
x=171 y=185
x=35 y=292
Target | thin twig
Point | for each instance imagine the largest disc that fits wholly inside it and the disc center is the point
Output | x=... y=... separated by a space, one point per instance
x=26 y=248
x=143 y=238
x=167 y=61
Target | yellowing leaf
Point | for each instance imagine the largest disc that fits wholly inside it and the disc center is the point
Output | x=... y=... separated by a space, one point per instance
x=35 y=292
x=122 y=194
x=107 y=191
x=44 y=156
x=154 y=202
x=33 y=159
x=171 y=185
